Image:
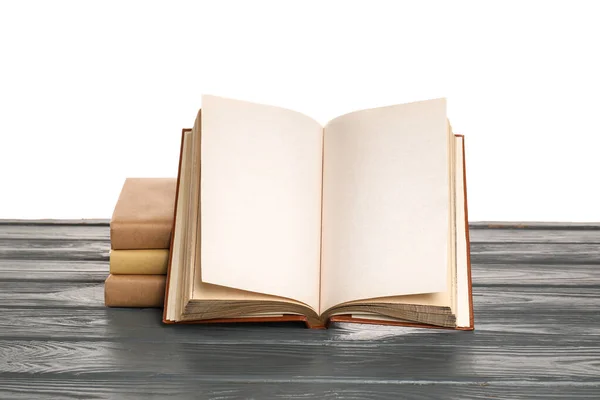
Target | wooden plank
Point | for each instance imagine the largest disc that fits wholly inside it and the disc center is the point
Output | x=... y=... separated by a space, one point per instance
x=67 y=232
x=350 y=362
x=54 y=249
x=25 y=245
x=537 y=299
x=52 y=271
x=548 y=275
x=573 y=236
x=535 y=253
x=102 y=222
x=50 y=386
x=535 y=225
x=48 y=294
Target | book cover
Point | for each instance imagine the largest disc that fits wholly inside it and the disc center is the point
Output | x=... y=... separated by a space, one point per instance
x=139 y=262
x=143 y=215
x=137 y=291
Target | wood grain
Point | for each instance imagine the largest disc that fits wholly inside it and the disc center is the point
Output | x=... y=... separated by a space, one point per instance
x=536 y=292
x=526 y=236
x=54 y=231
x=455 y=360
x=49 y=271
x=546 y=275
x=53 y=294
x=72 y=387
x=535 y=253
x=45 y=249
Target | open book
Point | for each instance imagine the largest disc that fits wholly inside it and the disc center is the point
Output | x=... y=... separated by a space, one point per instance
x=281 y=219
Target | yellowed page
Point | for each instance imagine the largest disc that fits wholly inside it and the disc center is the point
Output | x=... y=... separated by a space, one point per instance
x=192 y=238
x=451 y=288
x=385 y=203
x=456 y=265
x=179 y=234
x=260 y=199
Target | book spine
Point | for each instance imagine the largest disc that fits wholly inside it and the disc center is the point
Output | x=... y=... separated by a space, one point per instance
x=140 y=235
x=134 y=291
x=139 y=262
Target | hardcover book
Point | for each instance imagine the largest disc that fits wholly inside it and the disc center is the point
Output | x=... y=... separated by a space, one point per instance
x=143 y=215
x=136 y=291
x=139 y=262
x=278 y=218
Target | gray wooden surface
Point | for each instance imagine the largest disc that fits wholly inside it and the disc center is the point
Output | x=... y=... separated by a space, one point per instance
x=536 y=293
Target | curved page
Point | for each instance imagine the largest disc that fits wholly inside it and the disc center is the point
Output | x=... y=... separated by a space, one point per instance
x=385 y=203
x=260 y=199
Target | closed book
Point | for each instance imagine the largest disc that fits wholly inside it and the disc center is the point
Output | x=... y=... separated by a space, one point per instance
x=143 y=215
x=139 y=262
x=134 y=291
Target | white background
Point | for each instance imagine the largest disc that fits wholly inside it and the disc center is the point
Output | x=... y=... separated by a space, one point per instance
x=93 y=92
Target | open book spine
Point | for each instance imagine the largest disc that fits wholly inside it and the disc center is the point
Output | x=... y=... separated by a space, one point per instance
x=284 y=318
x=349 y=318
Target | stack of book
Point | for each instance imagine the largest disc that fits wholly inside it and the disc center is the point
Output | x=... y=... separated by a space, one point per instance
x=140 y=236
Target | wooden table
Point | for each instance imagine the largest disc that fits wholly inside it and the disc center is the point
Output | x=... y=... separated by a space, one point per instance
x=537 y=314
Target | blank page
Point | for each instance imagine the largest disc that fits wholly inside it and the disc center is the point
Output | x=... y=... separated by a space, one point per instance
x=260 y=199
x=385 y=203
